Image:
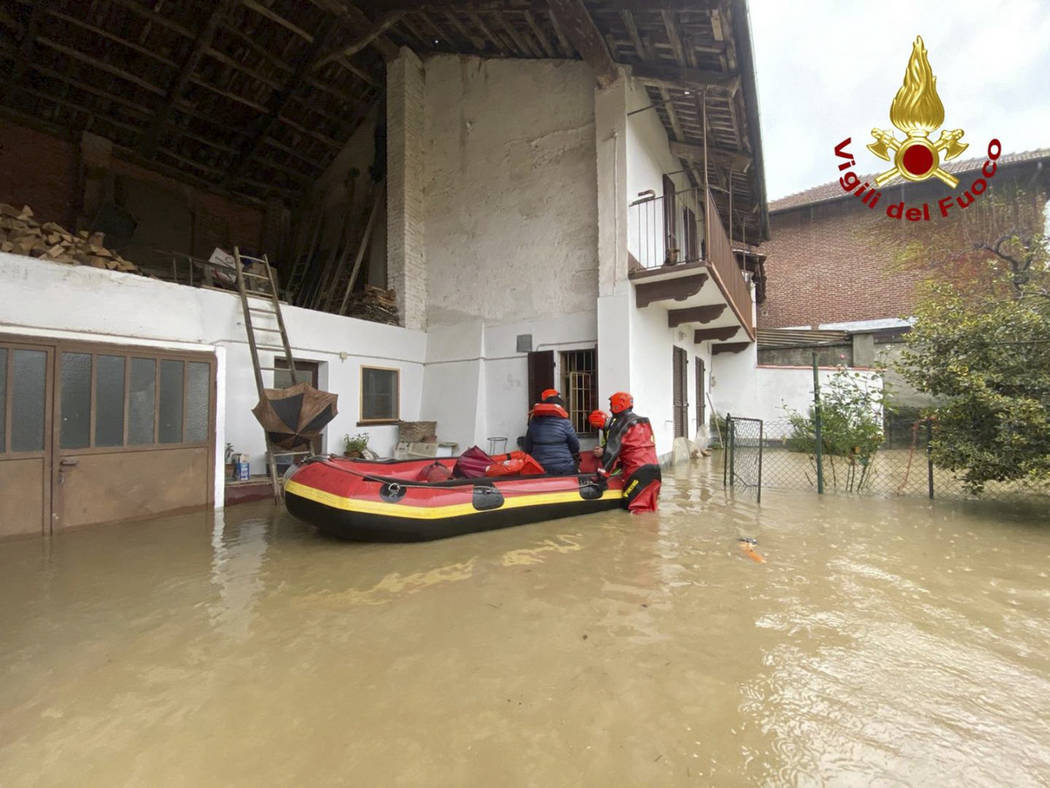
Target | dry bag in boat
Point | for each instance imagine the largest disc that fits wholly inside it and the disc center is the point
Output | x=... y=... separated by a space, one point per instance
x=471 y=464
x=435 y=472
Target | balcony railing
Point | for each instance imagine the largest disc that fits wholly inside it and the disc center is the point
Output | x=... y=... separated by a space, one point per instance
x=668 y=232
x=722 y=262
x=659 y=233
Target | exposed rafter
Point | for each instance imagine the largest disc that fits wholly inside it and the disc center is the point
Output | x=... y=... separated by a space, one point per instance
x=668 y=76
x=148 y=143
x=351 y=49
x=740 y=160
x=576 y=23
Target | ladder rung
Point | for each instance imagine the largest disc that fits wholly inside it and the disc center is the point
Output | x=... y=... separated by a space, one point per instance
x=258 y=294
x=263 y=311
x=268 y=347
x=264 y=328
x=289 y=453
x=255 y=276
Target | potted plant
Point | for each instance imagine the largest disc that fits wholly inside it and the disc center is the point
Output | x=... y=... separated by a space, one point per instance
x=229 y=460
x=354 y=446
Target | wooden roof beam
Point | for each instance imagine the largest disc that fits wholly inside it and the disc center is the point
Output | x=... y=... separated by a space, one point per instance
x=363 y=41
x=662 y=75
x=740 y=160
x=278 y=101
x=585 y=37
x=148 y=142
x=358 y=20
x=25 y=48
x=262 y=10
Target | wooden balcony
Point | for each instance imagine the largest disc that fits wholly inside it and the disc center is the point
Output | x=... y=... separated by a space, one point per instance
x=707 y=290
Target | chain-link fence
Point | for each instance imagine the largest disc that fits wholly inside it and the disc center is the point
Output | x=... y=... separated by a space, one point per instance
x=773 y=454
x=742 y=466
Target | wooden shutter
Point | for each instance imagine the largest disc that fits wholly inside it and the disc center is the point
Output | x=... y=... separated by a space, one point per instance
x=541 y=373
x=700 y=400
x=681 y=397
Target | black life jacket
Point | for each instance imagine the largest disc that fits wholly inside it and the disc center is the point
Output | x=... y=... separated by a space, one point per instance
x=614 y=435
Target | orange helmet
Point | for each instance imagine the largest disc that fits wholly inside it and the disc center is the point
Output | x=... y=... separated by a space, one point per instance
x=598 y=419
x=620 y=401
x=548 y=393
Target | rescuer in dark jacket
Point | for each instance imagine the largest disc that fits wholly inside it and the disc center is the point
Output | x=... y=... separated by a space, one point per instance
x=551 y=440
x=630 y=444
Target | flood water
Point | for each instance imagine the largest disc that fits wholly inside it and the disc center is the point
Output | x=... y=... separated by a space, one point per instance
x=883 y=642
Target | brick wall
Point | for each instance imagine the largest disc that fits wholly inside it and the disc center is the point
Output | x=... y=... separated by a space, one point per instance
x=838 y=261
x=40 y=170
x=825 y=265
x=406 y=262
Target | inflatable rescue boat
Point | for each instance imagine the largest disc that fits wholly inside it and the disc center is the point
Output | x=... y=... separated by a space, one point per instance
x=392 y=501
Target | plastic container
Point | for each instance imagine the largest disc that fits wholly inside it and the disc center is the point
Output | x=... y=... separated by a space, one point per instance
x=241 y=469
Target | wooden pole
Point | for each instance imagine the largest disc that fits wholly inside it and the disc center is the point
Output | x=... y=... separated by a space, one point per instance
x=380 y=192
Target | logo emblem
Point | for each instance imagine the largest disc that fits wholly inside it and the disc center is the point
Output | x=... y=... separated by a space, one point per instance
x=917 y=111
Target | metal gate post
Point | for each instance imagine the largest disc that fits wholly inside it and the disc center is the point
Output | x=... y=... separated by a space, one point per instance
x=730 y=440
x=816 y=428
x=929 y=455
x=761 y=428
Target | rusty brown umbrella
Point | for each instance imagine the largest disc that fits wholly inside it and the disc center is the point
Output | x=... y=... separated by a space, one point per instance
x=294 y=416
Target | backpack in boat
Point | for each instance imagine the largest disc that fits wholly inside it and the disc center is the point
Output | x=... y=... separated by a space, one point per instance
x=435 y=472
x=471 y=464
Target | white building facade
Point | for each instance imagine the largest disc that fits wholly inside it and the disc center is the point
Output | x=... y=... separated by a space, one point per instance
x=518 y=260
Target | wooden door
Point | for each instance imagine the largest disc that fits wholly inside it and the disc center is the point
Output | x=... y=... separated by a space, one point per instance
x=541 y=373
x=134 y=433
x=26 y=383
x=700 y=396
x=681 y=395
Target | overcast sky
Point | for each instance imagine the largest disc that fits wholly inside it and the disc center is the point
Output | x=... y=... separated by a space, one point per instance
x=828 y=70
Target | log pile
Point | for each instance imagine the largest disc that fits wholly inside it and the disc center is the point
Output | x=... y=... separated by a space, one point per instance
x=375 y=304
x=20 y=233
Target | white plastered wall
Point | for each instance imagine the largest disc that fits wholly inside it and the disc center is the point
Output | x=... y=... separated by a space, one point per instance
x=511 y=236
x=649 y=158
x=742 y=388
x=75 y=302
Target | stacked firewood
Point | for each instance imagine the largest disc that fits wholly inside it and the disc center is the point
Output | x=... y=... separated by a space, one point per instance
x=375 y=304
x=20 y=233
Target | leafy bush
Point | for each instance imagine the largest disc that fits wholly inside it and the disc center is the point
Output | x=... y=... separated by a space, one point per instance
x=851 y=429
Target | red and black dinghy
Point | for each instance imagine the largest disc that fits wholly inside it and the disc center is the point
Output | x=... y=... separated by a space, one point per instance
x=391 y=500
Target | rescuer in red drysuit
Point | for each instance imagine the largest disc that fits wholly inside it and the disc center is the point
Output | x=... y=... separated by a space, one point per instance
x=630 y=444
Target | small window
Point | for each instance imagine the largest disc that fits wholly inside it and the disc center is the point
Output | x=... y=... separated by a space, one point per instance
x=579 y=385
x=305 y=372
x=379 y=394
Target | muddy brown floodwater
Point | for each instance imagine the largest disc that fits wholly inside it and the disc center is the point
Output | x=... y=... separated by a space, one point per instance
x=883 y=642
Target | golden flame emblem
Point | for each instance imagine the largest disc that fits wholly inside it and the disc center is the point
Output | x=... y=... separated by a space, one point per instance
x=917 y=110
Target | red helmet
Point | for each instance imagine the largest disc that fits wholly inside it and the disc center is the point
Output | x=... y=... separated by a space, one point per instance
x=620 y=401
x=598 y=419
x=548 y=393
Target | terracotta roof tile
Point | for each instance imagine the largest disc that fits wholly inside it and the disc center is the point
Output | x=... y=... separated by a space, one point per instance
x=833 y=191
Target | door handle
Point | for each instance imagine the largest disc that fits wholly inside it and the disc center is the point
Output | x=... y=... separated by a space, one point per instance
x=69 y=462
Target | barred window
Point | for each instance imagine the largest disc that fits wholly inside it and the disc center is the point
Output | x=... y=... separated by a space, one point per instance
x=579 y=385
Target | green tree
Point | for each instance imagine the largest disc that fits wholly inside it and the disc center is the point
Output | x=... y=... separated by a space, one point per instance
x=850 y=429
x=986 y=357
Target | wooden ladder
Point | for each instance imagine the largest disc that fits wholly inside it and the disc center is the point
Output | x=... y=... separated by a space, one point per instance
x=267 y=305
